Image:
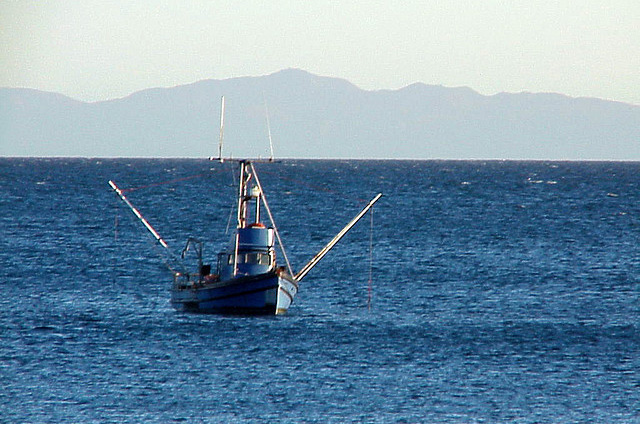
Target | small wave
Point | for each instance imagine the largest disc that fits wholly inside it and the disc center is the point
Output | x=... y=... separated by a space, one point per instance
x=43 y=328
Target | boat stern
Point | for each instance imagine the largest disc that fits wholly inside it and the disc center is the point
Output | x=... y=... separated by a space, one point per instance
x=287 y=290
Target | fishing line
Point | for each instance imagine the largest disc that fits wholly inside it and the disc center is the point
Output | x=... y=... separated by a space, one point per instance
x=115 y=254
x=370 y=284
x=115 y=224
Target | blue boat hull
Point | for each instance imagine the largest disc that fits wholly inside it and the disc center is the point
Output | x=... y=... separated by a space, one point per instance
x=257 y=294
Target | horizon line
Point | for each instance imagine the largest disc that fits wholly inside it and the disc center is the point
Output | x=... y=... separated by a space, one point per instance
x=326 y=159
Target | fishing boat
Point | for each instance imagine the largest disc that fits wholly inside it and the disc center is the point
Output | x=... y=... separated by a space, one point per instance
x=246 y=278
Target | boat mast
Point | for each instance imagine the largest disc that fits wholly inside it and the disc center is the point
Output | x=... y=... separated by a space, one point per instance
x=242 y=194
x=266 y=111
x=258 y=197
x=242 y=212
x=221 y=129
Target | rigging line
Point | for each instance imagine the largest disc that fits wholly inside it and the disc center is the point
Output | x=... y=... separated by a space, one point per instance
x=273 y=222
x=165 y=259
x=317 y=187
x=176 y=180
x=163 y=183
x=321 y=254
x=233 y=178
x=226 y=230
x=162 y=253
x=151 y=230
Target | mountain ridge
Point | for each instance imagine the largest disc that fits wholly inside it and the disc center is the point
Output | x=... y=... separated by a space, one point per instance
x=319 y=117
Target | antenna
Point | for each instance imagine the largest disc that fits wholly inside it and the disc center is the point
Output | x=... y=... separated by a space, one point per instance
x=266 y=111
x=221 y=130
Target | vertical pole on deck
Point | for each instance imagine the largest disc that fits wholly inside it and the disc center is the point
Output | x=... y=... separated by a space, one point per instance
x=241 y=196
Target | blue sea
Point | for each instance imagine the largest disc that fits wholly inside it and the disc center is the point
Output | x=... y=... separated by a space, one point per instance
x=477 y=292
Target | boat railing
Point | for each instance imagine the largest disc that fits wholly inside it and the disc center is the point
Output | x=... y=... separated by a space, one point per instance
x=192 y=280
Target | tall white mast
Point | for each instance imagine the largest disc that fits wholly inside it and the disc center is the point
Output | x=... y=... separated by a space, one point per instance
x=221 y=129
x=266 y=111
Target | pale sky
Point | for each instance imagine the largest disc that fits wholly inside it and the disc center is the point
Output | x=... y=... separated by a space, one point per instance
x=95 y=50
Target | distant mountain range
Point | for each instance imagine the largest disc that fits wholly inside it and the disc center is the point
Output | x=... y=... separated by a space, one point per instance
x=319 y=117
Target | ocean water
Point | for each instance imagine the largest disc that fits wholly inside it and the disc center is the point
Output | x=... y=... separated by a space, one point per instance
x=500 y=292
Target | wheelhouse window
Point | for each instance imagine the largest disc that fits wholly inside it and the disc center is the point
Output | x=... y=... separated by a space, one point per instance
x=251 y=258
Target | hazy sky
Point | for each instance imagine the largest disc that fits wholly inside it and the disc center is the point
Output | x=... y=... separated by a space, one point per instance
x=95 y=50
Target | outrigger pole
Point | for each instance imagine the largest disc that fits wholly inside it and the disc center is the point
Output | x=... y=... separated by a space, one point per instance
x=139 y=215
x=305 y=270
